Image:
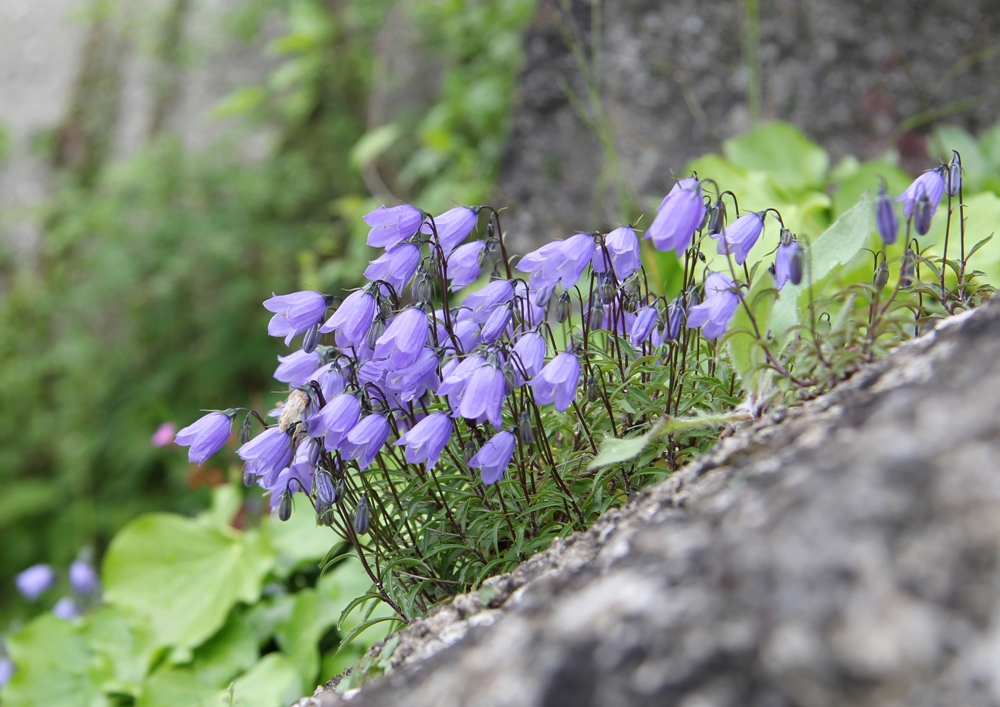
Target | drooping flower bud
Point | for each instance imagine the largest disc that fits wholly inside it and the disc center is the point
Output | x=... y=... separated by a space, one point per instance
x=562 y=308
x=605 y=289
x=326 y=493
x=423 y=288
x=468 y=451
x=717 y=217
x=249 y=477
x=285 y=506
x=245 y=430
x=906 y=268
x=525 y=430
x=593 y=390
x=885 y=215
x=955 y=174
x=362 y=518
x=881 y=276
x=315 y=453
x=375 y=332
x=922 y=213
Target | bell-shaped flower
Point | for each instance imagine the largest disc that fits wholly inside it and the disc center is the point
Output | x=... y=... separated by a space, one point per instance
x=295 y=369
x=426 y=440
x=685 y=183
x=455 y=380
x=494 y=457
x=679 y=216
x=396 y=266
x=496 y=324
x=931 y=183
x=392 y=225
x=642 y=327
x=453 y=226
x=411 y=382
x=529 y=352
x=483 y=395
x=331 y=379
x=404 y=339
x=575 y=253
x=542 y=265
x=715 y=313
x=885 y=215
x=739 y=237
x=83 y=578
x=267 y=454
x=482 y=302
x=788 y=264
x=294 y=313
x=463 y=265
x=207 y=435
x=35 y=581
x=675 y=317
x=365 y=440
x=557 y=381
x=467 y=333
x=66 y=609
x=352 y=319
x=622 y=245
x=296 y=477
x=335 y=420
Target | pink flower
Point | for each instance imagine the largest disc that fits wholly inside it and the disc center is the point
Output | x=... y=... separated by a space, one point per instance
x=164 y=435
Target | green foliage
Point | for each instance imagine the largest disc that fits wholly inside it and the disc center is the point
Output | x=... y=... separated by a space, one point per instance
x=198 y=612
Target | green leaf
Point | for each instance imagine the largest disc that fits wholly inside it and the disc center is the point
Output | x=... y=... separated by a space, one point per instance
x=373 y=143
x=299 y=635
x=974 y=163
x=851 y=187
x=121 y=650
x=183 y=575
x=794 y=162
x=299 y=540
x=53 y=666
x=272 y=682
x=837 y=247
x=171 y=686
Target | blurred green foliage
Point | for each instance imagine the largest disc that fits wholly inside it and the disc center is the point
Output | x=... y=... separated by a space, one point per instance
x=145 y=305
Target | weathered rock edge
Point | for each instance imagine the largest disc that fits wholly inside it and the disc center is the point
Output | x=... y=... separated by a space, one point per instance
x=842 y=552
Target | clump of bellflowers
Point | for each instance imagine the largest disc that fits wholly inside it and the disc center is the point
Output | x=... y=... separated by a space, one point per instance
x=440 y=417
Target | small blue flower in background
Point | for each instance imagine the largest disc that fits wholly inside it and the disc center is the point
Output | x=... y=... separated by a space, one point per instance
x=453 y=226
x=392 y=225
x=6 y=670
x=928 y=188
x=463 y=265
x=404 y=339
x=365 y=440
x=679 y=216
x=66 y=609
x=715 y=313
x=426 y=440
x=35 y=581
x=741 y=236
x=885 y=215
x=397 y=266
x=353 y=319
x=557 y=381
x=493 y=458
x=82 y=577
x=294 y=313
x=207 y=435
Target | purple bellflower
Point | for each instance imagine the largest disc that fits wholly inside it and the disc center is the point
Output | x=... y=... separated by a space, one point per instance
x=404 y=339
x=396 y=266
x=463 y=264
x=623 y=246
x=482 y=302
x=365 y=440
x=453 y=226
x=295 y=369
x=679 y=217
x=530 y=352
x=335 y=420
x=493 y=458
x=352 y=319
x=297 y=476
x=426 y=440
x=393 y=225
x=542 y=264
x=483 y=395
x=885 y=215
x=66 y=609
x=575 y=253
x=685 y=183
x=411 y=382
x=267 y=454
x=35 y=581
x=331 y=379
x=6 y=670
x=788 y=264
x=741 y=236
x=931 y=183
x=675 y=317
x=557 y=381
x=82 y=577
x=642 y=327
x=715 y=313
x=455 y=381
x=207 y=435
x=497 y=323
x=295 y=313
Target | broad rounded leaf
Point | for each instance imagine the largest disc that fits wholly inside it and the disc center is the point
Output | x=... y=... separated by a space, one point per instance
x=52 y=666
x=794 y=161
x=184 y=576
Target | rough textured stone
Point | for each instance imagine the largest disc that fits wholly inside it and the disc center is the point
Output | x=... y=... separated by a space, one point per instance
x=857 y=77
x=843 y=552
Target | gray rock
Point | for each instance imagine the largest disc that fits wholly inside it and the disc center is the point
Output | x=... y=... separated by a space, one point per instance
x=843 y=552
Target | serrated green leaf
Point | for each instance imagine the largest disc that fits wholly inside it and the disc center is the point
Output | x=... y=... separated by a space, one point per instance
x=183 y=575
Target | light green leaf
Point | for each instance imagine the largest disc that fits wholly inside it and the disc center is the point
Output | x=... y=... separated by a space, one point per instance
x=982 y=217
x=299 y=540
x=121 y=650
x=866 y=179
x=299 y=636
x=272 y=682
x=171 y=687
x=951 y=137
x=227 y=653
x=53 y=666
x=183 y=575
x=373 y=143
x=794 y=161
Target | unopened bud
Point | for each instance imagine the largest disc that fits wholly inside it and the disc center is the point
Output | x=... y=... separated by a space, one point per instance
x=524 y=429
x=326 y=494
x=906 y=268
x=285 y=506
x=593 y=390
x=955 y=174
x=562 y=308
x=605 y=289
x=315 y=453
x=795 y=266
x=249 y=478
x=361 y=516
x=595 y=317
x=881 y=276
x=311 y=339
x=717 y=217
x=375 y=332
x=922 y=214
x=423 y=288
x=245 y=430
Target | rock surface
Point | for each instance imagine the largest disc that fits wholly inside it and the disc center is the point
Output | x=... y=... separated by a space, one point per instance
x=843 y=552
x=675 y=80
